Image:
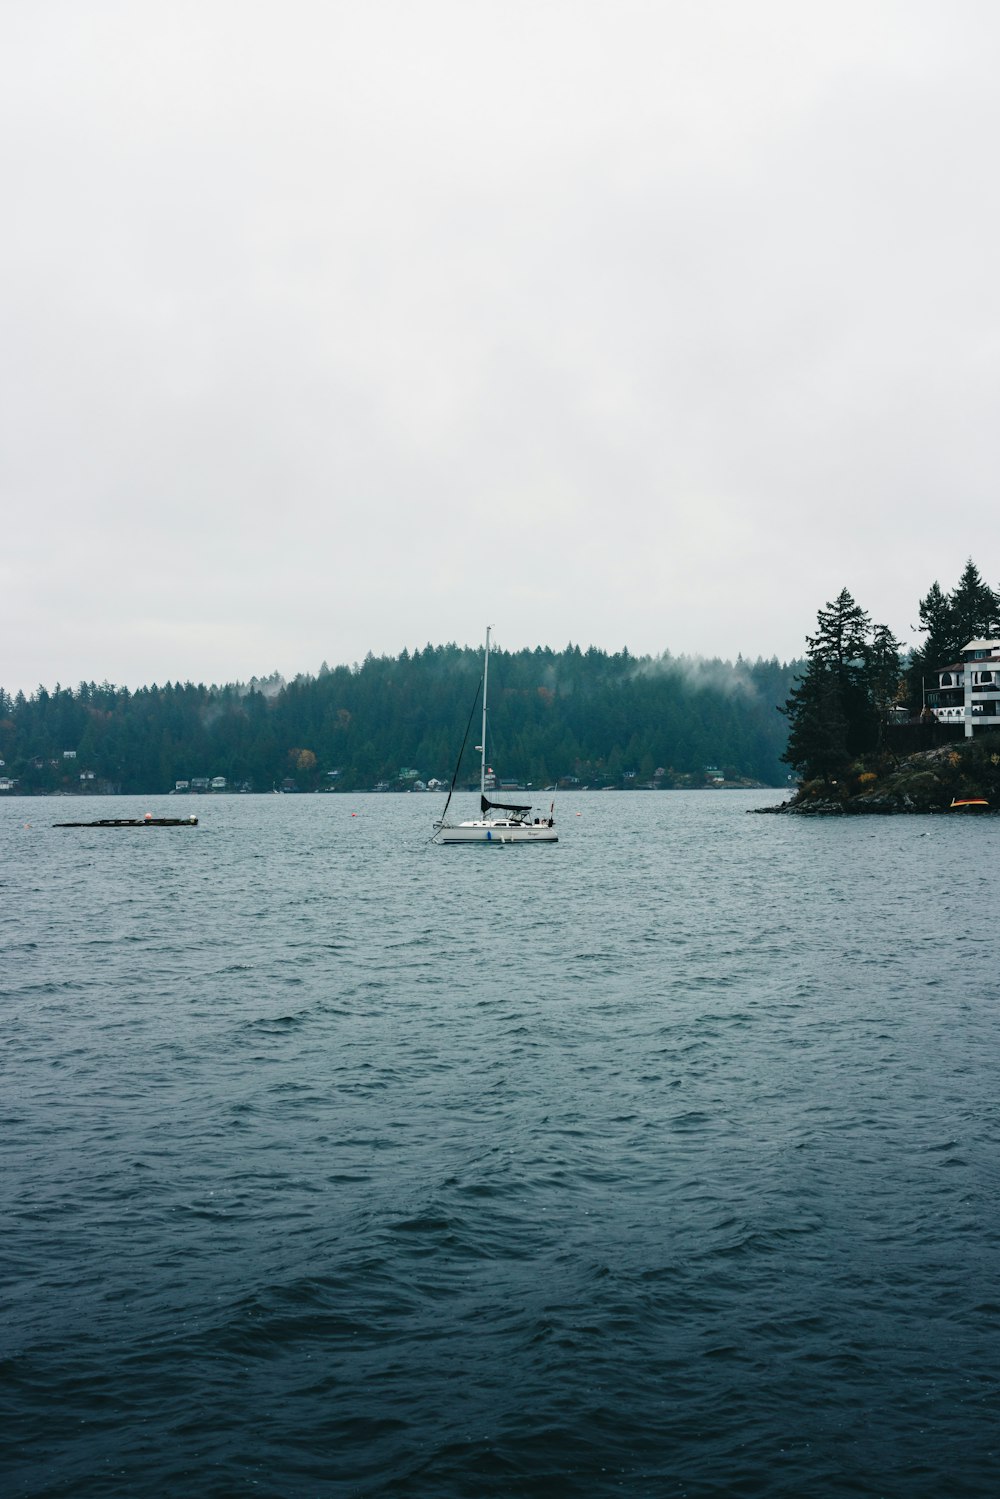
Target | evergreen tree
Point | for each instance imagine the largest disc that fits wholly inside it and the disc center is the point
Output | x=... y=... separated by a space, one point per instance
x=841 y=640
x=838 y=708
x=883 y=675
x=817 y=733
x=949 y=621
x=936 y=622
x=974 y=608
x=841 y=647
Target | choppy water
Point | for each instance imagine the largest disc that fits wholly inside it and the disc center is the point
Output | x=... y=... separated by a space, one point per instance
x=660 y=1162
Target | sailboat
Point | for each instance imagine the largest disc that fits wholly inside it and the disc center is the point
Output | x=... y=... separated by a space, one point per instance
x=498 y=822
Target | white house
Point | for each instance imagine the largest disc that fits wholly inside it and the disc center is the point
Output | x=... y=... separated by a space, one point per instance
x=982 y=685
x=968 y=691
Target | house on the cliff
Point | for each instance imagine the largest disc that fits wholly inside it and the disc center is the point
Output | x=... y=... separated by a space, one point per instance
x=968 y=691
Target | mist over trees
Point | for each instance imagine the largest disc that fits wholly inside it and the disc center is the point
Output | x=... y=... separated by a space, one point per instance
x=570 y=716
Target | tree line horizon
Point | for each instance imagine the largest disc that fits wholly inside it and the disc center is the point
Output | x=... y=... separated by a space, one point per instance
x=556 y=717
x=574 y=716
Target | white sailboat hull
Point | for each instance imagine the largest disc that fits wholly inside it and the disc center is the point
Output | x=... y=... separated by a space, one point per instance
x=497 y=831
x=517 y=827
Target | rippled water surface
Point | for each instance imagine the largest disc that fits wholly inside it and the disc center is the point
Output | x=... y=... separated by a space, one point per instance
x=663 y=1161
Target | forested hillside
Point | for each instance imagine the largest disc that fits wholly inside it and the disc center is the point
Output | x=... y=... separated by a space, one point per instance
x=555 y=716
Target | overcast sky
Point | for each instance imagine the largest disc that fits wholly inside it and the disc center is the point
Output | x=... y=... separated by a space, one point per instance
x=333 y=327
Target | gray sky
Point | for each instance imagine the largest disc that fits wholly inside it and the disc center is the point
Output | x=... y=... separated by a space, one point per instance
x=332 y=327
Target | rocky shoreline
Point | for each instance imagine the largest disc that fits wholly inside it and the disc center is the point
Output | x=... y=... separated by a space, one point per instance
x=931 y=781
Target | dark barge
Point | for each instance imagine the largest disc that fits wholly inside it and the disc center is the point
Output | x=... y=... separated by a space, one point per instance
x=134 y=822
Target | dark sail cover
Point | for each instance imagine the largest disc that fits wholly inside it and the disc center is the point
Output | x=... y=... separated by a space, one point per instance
x=488 y=806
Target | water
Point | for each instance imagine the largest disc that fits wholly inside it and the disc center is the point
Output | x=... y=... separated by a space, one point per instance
x=660 y=1162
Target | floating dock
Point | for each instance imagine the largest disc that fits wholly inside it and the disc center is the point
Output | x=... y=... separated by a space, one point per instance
x=134 y=822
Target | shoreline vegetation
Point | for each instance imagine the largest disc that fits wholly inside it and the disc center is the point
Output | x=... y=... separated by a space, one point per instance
x=929 y=781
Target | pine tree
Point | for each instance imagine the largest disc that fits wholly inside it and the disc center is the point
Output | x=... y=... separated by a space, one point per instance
x=950 y=621
x=841 y=646
x=841 y=640
x=838 y=709
x=936 y=621
x=817 y=727
x=975 y=608
x=883 y=674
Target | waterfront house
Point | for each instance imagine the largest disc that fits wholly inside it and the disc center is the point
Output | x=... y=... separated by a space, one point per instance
x=968 y=691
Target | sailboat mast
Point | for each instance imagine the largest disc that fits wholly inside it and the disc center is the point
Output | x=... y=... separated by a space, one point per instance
x=482 y=763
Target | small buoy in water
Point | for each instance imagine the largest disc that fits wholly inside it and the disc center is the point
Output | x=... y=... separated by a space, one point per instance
x=354 y=814
x=149 y=816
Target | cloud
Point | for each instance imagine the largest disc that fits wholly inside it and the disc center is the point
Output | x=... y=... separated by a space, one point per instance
x=330 y=328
